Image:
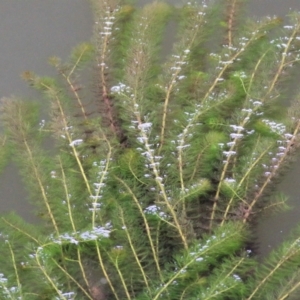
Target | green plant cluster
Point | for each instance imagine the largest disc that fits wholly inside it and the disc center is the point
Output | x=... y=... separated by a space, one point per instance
x=148 y=182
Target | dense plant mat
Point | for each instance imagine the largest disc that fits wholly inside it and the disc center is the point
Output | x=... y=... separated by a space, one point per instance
x=153 y=173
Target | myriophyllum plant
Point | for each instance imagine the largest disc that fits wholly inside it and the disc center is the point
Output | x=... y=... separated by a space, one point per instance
x=151 y=178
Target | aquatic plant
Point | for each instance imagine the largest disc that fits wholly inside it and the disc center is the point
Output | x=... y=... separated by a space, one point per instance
x=147 y=186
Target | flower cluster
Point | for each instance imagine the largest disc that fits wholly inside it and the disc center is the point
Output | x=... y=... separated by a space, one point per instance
x=101 y=176
x=9 y=292
x=155 y=210
x=88 y=235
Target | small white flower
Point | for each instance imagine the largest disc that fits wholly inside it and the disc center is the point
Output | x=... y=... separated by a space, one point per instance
x=288 y=136
x=76 y=142
x=249 y=110
x=236 y=127
x=236 y=135
x=230 y=144
x=229 y=153
x=237 y=277
x=145 y=126
x=199 y=259
x=230 y=180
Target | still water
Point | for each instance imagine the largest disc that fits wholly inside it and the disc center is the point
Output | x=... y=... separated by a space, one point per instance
x=30 y=32
x=33 y=30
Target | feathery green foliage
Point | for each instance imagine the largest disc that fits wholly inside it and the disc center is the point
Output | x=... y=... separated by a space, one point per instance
x=150 y=187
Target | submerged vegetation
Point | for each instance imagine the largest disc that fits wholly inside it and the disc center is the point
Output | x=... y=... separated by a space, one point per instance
x=153 y=179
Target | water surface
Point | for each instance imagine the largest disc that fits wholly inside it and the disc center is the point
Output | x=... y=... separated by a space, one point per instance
x=30 y=32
